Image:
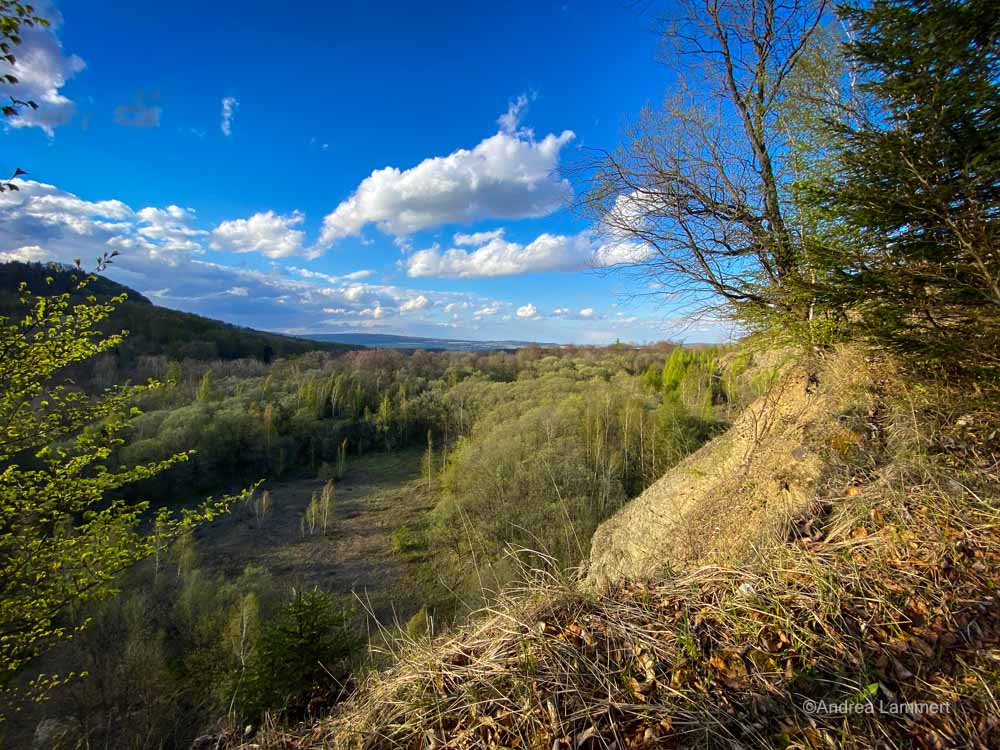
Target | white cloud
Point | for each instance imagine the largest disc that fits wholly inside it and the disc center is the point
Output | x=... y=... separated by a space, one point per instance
x=25 y=254
x=500 y=257
x=416 y=303
x=268 y=233
x=161 y=257
x=508 y=175
x=377 y=312
x=566 y=313
x=42 y=70
x=229 y=105
x=510 y=121
x=306 y=273
x=477 y=238
x=487 y=311
x=170 y=227
x=362 y=274
x=41 y=207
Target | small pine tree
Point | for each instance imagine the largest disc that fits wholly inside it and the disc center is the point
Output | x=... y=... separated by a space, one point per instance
x=299 y=652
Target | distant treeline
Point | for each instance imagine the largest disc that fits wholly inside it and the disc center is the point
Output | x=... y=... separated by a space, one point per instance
x=153 y=330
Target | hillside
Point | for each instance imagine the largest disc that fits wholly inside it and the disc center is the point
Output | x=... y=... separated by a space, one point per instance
x=155 y=330
x=391 y=341
x=869 y=584
x=745 y=485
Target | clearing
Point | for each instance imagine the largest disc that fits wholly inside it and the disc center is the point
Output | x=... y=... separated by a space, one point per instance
x=379 y=494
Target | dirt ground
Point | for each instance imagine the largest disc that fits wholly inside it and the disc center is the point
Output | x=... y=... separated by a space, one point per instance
x=378 y=494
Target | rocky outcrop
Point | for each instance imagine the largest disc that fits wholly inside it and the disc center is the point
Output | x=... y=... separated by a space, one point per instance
x=739 y=491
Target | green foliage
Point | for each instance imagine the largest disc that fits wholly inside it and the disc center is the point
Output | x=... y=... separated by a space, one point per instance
x=300 y=653
x=419 y=627
x=918 y=186
x=542 y=461
x=206 y=388
x=64 y=537
x=404 y=540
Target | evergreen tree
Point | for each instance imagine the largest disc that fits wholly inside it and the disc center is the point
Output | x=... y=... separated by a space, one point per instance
x=919 y=184
x=302 y=650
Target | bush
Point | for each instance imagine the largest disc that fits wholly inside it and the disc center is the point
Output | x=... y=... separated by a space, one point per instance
x=302 y=653
x=404 y=539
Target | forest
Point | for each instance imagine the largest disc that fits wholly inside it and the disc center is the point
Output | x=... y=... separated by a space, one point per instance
x=521 y=453
x=213 y=531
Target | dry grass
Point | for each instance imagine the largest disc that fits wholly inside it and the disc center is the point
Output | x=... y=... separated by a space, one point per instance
x=884 y=597
x=736 y=495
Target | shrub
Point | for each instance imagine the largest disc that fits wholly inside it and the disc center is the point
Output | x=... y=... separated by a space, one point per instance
x=404 y=539
x=302 y=653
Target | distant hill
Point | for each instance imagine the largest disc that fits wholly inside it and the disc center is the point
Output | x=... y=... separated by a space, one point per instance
x=392 y=341
x=155 y=330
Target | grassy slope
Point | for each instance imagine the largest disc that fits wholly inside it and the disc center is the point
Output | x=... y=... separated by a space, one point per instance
x=735 y=495
x=883 y=592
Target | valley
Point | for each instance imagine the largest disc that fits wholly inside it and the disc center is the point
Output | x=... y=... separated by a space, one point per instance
x=378 y=495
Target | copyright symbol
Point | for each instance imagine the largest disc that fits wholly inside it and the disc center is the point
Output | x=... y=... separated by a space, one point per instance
x=809 y=706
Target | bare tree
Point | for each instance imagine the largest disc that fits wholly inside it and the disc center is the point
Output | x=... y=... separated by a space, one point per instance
x=701 y=185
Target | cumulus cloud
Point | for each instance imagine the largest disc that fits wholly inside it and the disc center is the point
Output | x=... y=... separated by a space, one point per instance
x=229 y=105
x=139 y=114
x=416 y=303
x=171 y=228
x=587 y=312
x=508 y=175
x=487 y=311
x=162 y=256
x=38 y=210
x=496 y=256
x=25 y=254
x=41 y=69
x=268 y=233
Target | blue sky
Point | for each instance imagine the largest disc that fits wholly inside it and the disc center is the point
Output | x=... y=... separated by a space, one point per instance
x=377 y=167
